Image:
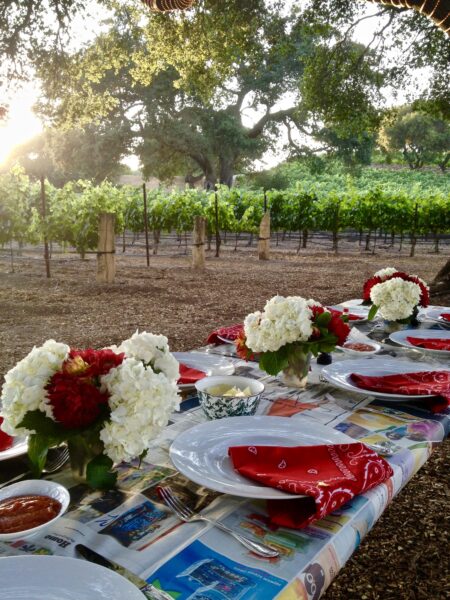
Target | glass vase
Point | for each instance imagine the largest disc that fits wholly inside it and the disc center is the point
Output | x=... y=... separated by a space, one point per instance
x=393 y=326
x=296 y=374
x=82 y=449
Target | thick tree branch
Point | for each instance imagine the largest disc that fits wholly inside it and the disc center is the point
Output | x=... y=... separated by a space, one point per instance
x=269 y=117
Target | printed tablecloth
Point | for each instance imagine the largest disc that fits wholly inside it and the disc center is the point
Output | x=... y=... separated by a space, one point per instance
x=195 y=561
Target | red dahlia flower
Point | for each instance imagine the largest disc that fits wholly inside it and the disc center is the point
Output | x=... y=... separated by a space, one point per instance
x=92 y=363
x=337 y=327
x=369 y=285
x=76 y=401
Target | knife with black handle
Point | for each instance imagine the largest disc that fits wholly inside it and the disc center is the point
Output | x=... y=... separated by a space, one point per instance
x=146 y=588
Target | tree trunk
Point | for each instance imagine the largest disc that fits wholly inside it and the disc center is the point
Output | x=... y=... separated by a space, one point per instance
x=226 y=171
x=156 y=238
x=210 y=180
x=441 y=283
x=192 y=179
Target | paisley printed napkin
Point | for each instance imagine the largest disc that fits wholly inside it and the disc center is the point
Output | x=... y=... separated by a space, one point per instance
x=434 y=383
x=351 y=317
x=6 y=441
x=229 y=333
x=430 y=343
x=189 y=375
x=329 y=476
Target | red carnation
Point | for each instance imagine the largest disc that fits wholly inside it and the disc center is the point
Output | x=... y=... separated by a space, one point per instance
x=369 y=285
x=337 y=327
x=97 y=362
x=75 y=401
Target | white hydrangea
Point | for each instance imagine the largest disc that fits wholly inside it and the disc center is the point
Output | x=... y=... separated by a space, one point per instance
x=141 y=402
x=385 y=273
x=284 y=320
x=153 y=350
x=24 y=387
x=395 y=298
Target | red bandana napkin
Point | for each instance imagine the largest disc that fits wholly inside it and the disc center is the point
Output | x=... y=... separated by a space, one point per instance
x=445 y=316
x=430 y=343
x=6 y=441
x=350 y=316
x=229 y=333
x=329 y=475
x=435 y=383
x=189 y=375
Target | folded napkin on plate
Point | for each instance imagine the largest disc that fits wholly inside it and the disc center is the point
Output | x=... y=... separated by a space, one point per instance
x=229 y=333
x=434 y=383
x=351 y=317
x=329 y=475
x=430 y=343
x=6 y=441
x=189 y=375
x=445 y=316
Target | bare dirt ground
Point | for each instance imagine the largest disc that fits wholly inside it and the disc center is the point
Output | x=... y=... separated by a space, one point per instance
x=406 y=554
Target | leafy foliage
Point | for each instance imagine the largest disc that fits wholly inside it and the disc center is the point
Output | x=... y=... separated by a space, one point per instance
x=377 y=200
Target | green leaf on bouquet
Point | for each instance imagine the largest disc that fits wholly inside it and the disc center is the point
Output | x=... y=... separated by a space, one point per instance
x=36 y=420
x=372 y=312
x=323 y=319
x=274 y=362
x=38 y=446
x=99 y=473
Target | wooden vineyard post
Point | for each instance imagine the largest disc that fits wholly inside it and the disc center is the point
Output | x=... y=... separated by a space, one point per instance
x=264 y=238
x=198 y=243
x=216 y=210
x=106 y=258
x=44 y=212
x=147 y=250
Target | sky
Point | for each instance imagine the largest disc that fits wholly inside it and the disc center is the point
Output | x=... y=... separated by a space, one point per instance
x=23 y=124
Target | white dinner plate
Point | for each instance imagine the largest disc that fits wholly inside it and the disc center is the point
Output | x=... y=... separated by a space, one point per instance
x=353 y=303
x=225 y=340
x=338 y=374
x=210 y=364
x=201 y=453
x=399 y=337
x=433 y=313
x=59 y=578
x=19 y=447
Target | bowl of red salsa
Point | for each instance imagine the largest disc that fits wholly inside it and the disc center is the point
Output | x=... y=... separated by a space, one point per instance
x=360 y=348
x=28 y=507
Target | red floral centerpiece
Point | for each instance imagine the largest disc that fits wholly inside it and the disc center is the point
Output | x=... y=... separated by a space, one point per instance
x=107 y=405
x=396 y=295
x=287 y=332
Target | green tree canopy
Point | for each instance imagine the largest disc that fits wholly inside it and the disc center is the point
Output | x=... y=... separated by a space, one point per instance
x=185 y=82
x=92 y=153
x=419 y=136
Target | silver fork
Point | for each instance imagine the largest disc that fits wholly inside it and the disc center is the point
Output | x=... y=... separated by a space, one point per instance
x=184 y=513
x=56 y=460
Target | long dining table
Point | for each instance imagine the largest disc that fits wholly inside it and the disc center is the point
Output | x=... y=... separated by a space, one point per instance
x=132 y=526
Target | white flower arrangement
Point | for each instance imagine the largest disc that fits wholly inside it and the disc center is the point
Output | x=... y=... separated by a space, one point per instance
x=385 y=273
x=395 y=298
x=141 y=402
x=288 y=331
x=283 y=320
x=24 y=387
x=121 y=396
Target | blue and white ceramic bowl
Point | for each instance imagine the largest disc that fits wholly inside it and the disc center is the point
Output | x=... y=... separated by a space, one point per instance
x=218 y=407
